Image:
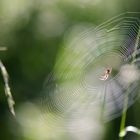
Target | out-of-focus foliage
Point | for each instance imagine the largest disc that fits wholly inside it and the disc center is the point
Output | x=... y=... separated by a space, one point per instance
x=34 y=32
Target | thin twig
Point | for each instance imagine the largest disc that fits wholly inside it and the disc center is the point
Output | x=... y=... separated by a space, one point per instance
x=7 y=88
x=3 y=48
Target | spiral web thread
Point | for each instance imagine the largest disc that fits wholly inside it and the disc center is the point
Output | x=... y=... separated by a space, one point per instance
x=74 y=90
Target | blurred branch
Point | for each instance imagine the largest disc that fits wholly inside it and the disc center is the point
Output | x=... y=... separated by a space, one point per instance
x=3 y=48
x=7 y=88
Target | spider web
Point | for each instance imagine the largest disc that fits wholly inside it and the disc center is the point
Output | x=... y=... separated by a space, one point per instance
x=73 y=90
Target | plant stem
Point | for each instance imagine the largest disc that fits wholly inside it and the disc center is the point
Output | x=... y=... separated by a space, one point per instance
x=123 y=119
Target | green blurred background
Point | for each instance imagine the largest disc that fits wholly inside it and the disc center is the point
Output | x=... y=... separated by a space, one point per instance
x=34 y=31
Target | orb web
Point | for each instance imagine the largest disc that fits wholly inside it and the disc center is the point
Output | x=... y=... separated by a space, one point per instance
x=74 y=89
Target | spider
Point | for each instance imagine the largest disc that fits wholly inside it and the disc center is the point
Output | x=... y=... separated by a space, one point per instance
x=106 y=74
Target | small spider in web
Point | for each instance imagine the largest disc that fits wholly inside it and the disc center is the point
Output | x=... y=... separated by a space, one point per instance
x=106 y=74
